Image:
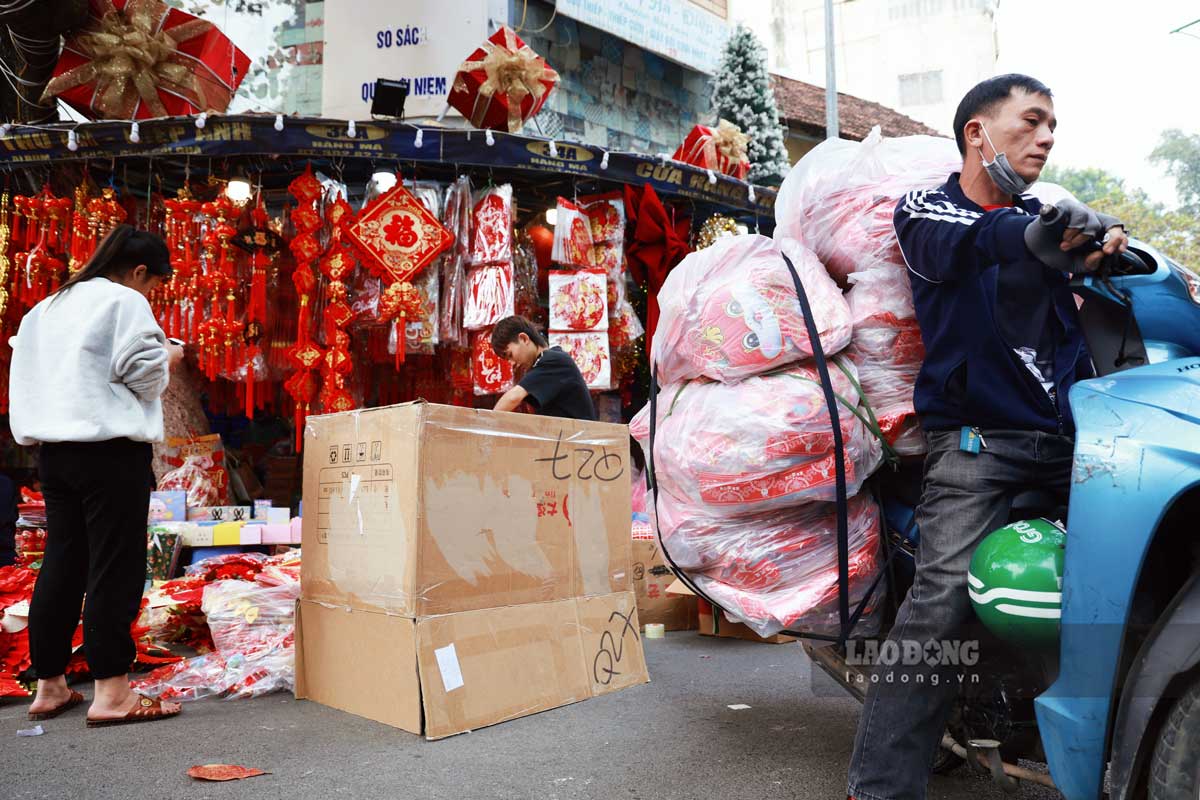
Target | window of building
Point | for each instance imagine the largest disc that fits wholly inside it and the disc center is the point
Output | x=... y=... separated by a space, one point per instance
x=921 y=88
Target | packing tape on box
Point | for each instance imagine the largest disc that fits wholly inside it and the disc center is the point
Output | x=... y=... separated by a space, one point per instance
x=655 y=630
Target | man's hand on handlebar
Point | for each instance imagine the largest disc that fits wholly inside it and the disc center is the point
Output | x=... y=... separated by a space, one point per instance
x=1073 y=237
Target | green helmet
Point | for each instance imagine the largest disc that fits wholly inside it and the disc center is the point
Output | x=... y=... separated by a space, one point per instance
x=1015 y=582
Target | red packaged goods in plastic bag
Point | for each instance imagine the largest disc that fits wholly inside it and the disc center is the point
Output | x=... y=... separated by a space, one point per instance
x=489 y=296
x=502 y=84
x=888 y=351
x=573 y=243
x=491 y=226
x=730 y=311
x=839 y=198
x=765 y=442
x=777 y=570
x=578 y=300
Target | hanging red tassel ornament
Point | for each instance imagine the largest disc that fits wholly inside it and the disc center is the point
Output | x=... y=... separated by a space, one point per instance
x=400 y=303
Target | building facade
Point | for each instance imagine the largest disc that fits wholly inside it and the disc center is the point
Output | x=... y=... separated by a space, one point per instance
x=916 y=56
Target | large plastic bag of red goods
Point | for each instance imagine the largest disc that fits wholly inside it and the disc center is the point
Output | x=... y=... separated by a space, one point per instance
x=730 y=311
x=763 y=443
x=839 y=198
x=887 y=351
x=778 y=570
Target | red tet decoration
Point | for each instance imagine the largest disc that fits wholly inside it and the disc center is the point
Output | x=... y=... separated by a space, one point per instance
x=721 y=149
x=502 y=84
x=397 y=235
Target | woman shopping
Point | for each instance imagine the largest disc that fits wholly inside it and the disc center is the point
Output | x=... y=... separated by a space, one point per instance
x=89 y=366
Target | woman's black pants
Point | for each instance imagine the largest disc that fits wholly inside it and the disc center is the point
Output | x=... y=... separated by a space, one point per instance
x=97 y=499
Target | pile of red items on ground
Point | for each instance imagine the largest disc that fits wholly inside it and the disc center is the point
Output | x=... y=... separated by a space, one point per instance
x=249 y=608
x=839 y=201
x=744 y=450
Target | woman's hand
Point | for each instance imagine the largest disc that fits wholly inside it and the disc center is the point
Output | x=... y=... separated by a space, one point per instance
x=174 y=355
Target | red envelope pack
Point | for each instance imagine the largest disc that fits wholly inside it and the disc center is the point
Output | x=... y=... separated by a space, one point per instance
x=491 y=226
x=573 y=241
x=490 y=373
x=730 y=311
x=578 y=300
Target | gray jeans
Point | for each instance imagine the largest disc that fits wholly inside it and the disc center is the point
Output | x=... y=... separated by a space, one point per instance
x=964 y=497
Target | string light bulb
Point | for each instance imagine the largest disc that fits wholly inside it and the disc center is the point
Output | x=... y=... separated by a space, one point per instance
x=279 y=122
x=72 y=141
x=384 y=180
x=419 y=141
x=202 y=120
x=135 y=133
x=238 y=190
x=552 y=216
x=351 y=129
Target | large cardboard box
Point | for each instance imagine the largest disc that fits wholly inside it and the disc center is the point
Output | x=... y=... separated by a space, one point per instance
x=477 y=564
x=651 y=579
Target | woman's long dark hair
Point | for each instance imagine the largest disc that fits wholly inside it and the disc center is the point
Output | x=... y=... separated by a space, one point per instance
x=125 y=248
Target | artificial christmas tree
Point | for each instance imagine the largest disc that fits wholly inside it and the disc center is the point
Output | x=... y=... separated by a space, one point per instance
x=742 y=94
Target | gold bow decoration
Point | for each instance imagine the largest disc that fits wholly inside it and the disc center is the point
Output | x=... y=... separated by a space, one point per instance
x=131 y=57
x=511 y=69
x=729 y=141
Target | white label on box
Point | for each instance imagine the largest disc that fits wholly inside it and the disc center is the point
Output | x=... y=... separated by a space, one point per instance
x=447 y=660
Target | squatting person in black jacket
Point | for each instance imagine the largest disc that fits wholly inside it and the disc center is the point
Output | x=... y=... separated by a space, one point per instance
x=1003 y=348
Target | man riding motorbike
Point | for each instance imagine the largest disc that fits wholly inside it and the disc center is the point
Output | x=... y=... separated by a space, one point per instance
x=1003 y=348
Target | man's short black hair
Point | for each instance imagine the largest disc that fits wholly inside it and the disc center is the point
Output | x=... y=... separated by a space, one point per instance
x=989 y=94
x=508 y=329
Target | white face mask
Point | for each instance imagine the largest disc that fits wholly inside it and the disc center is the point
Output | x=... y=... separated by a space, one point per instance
x=1001 y=172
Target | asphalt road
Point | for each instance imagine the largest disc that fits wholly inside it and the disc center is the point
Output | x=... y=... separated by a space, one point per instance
x=673 y=738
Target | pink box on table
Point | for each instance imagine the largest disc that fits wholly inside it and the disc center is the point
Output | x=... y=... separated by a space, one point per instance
x=252 y=534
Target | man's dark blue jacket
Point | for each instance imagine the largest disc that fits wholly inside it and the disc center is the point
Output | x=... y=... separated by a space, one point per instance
x=955 y=250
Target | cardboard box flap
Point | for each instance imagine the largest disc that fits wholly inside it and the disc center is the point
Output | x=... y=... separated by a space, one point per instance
x=612 y=646
x=363 y=662
x=482 y=667
x=360 y=545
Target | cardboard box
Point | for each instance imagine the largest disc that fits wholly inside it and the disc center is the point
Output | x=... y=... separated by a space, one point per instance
x=453 y=673
x=651 y=579
x=476 y=564
x=717 y=625
x=424 y=509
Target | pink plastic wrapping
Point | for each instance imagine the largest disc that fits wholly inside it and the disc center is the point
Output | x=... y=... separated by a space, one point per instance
x=777 y=570
x=839 y=198
x=730 y=311
x=732 y=449
x=888 y=351
x=192 y=477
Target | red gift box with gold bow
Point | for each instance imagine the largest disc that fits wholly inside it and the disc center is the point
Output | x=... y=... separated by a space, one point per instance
x=502 y=84
x=138 y=59
x=721 y=149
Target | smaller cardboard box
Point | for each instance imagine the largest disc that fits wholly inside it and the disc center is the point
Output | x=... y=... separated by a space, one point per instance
x=220 y=514
x=651 y=579
x=715 y=624
x=227 y=533
x=452 y=673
